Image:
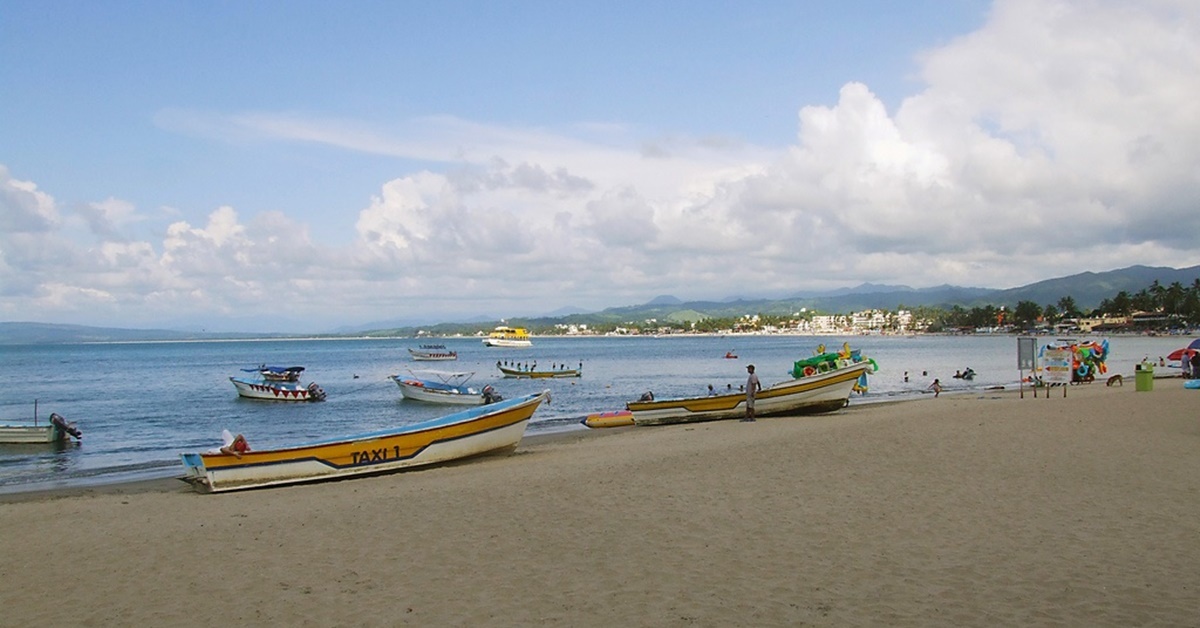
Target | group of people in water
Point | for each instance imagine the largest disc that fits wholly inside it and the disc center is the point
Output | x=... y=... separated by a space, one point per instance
x=968 y=374
x=936 y=386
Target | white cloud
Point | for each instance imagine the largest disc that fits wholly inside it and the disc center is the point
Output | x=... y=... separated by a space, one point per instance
x=24 y=208
x=1059 y=137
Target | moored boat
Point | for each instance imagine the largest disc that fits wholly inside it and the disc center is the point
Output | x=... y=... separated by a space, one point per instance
x=530 y=371
x=508 y=337
x=56 y=430
x=821 y=392
x=432 y=353
x=493 y=428
x=277 y=383
x=445 y=387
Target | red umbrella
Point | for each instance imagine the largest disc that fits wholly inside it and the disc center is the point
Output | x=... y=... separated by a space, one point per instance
x=1179 y=353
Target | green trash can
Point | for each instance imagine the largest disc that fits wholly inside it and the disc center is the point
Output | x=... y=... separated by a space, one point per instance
x=1144 y=377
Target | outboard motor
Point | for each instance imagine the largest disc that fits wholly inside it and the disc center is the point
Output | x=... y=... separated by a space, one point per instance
x=315 y=393
x=62 y=424
x=490 y=395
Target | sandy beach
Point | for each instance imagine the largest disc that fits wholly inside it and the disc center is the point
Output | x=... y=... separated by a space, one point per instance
x=974 y=510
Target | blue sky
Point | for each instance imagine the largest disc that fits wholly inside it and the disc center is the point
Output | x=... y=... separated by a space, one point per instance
x=201 y=164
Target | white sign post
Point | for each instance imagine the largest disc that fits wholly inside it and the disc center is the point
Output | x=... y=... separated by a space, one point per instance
x=1057 y=366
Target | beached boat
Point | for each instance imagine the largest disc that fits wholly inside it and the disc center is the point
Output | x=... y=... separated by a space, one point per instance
x=56 y=430
x=530 y=371
x=493 y=428
x=508 y=337
x=820 y=392
x=432 y=353
x=277 y=383
x=446 y=387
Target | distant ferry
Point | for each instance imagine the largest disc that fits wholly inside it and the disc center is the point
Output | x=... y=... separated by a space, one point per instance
x=508 y=337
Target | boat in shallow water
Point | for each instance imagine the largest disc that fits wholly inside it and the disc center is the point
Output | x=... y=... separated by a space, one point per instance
x=531 y=371
x=820 y=392
x=432 y=353
x=277 y=383
x=56 y=430
x=445 y=387
x=493 y=428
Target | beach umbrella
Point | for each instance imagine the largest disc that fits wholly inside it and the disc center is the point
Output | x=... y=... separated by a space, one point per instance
x=1179 y=353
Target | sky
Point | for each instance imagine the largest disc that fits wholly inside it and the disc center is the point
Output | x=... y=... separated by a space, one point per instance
x=306 y=166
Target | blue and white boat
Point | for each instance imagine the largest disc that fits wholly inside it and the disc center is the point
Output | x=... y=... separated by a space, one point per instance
x=445 y=387
x=277 y=383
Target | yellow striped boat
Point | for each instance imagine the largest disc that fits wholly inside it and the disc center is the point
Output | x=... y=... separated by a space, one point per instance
x=493 y=428
x=823 y=392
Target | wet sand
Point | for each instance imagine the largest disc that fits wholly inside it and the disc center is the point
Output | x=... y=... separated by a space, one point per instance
x=972 y=510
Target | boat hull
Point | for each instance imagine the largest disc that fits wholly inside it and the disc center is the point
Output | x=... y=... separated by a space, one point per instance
x=490 y=429
x=504 y=342
x=432 y=356
x=825 y=392
x=56 y=430
x=448 y=395
x=265 y=390
x=519 y=374
x=30 y=434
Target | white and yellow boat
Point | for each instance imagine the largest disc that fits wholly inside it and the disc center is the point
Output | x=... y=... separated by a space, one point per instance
x=493 y=428
x=822 y=392
x=508 y=337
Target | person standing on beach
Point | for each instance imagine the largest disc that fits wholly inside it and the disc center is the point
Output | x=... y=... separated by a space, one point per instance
x=752 y=388
x=936 y=387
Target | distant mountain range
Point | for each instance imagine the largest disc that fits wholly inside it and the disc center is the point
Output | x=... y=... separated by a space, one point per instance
x=1087 y=289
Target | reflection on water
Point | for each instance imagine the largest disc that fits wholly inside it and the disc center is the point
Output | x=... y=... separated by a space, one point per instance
x=36 y=459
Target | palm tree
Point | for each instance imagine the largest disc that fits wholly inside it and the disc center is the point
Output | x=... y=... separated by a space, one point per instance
x=1067 y=306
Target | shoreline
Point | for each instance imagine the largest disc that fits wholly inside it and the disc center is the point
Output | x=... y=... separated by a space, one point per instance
x=965 y=510
x=169 y=484
x=159 y=482
x=162 y=482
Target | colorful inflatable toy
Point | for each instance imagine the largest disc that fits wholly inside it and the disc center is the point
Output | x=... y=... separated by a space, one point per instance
x=824 y=362
x=1087 y=361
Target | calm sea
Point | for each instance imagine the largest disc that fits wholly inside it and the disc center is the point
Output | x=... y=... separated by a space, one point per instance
x=140 y=404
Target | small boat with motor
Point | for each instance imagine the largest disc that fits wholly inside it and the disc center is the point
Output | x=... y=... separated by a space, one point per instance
x=55 y=430
x=277 y=383
x=445 y=387
x=492 y=429
x=432 y=353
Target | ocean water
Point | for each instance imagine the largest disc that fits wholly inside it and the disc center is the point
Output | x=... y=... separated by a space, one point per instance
x=140 y=405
